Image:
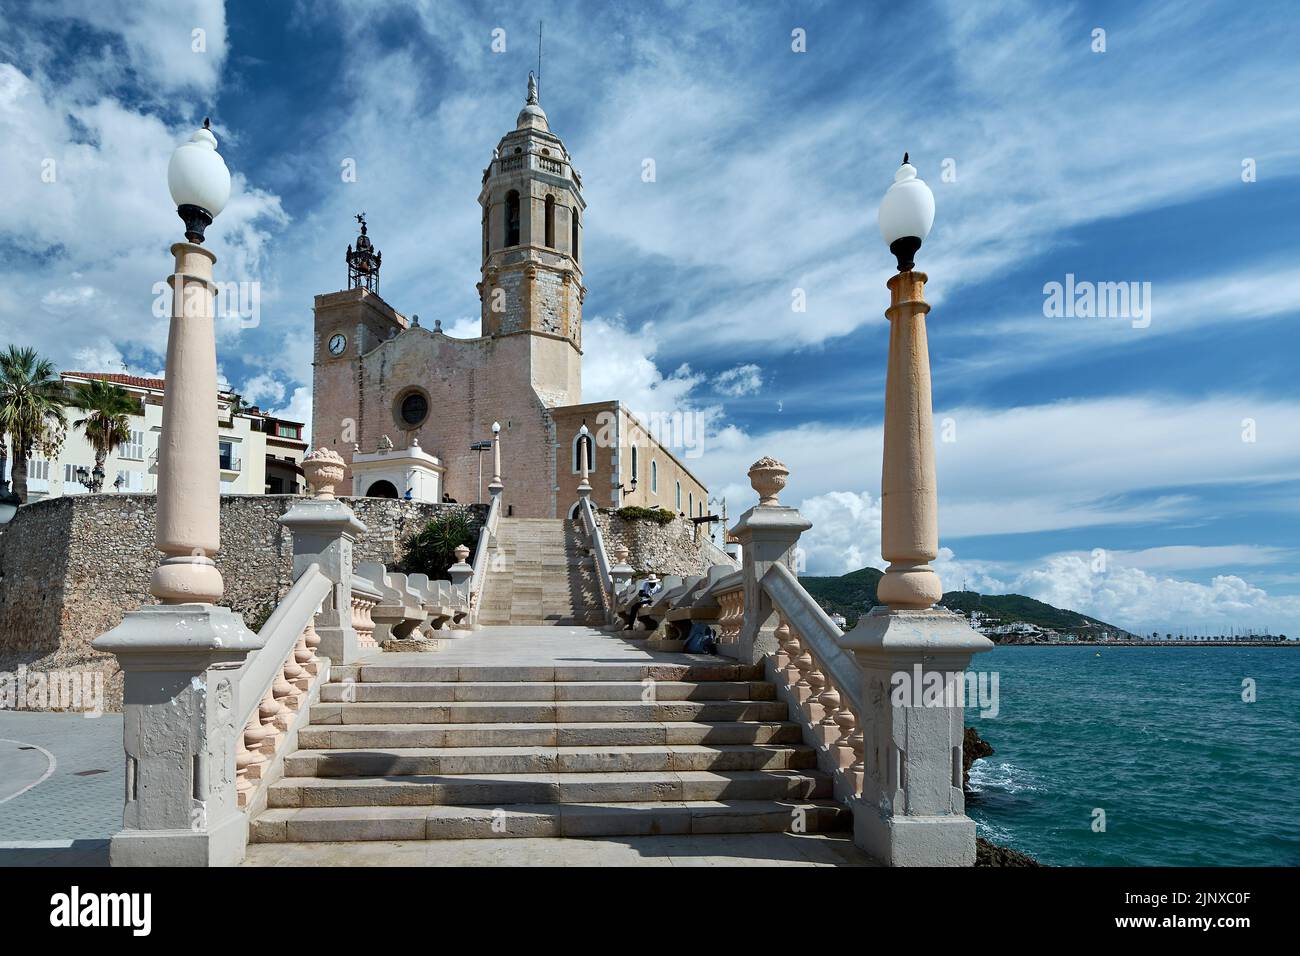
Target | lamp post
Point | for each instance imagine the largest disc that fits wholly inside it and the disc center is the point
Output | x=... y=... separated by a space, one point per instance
x=911 y=810
x=179 y=657
x=909 y=527
x=495 y=486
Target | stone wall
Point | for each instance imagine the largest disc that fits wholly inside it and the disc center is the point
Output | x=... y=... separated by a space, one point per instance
x=672 y=548
x=72 y=567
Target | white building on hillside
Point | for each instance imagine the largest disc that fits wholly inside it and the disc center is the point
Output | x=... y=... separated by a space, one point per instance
x=259 y=454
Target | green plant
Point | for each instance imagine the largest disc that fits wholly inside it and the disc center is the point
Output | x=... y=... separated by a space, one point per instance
x=107 y=423
x=431 y=550
x=31 y=409
x=658 y=515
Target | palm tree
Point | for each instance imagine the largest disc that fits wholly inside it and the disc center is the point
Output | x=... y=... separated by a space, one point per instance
x=31 y=409
x=107 y=423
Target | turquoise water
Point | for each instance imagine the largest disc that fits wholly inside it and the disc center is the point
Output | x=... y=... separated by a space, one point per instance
x=1159 y=738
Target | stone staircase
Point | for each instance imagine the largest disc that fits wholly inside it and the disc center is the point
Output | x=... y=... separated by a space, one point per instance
x=539 y=572
x=422 y=751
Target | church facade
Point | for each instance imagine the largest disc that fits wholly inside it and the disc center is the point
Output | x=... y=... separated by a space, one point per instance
x=405 y=405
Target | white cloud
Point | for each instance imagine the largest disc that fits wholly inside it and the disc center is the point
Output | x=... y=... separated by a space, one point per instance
x=738 y=381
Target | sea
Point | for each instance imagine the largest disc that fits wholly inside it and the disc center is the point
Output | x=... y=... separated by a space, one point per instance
x=1142 y=756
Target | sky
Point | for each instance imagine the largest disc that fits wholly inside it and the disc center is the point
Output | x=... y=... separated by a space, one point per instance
x=1142 y=469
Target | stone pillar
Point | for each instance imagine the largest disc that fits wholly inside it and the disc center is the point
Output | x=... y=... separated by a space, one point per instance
x=180 y=658
x=620 y=576
x=909 y=522
x=584 y=461
x=767 y=533
x=324 y=531
x=912 y=655
x=461 y=572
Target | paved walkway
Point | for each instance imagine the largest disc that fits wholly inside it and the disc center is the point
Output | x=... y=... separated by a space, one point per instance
x=61 y=784
x=544 y=645
x=724 y=849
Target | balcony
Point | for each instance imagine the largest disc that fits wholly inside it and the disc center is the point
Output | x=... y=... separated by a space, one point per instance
x=233 y=465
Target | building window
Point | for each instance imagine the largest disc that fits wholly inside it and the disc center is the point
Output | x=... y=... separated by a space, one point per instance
x=679 y=496
x=635 y=465
x=591 y=454
x=286 y=431
x=413 y=409
x=512 y=218
x=690 y=503
x=573 y=243
x=133 y=448
x=654 y=477
x=226 y=456
x=550 y=222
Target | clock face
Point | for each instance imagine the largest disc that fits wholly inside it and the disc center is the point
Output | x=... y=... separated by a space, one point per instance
x=338 y=342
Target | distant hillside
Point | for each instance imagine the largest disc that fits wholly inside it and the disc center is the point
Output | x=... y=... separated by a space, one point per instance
x=1002 y=616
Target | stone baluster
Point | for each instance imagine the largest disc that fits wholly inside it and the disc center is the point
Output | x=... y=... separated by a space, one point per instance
x=272 y=714
x=816 y=680
x=792 y=648
x=829 y=701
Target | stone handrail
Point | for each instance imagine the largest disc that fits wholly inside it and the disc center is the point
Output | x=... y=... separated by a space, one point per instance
x=598 y=550
x=486 y=535
x=814 y=626
x=715 y=555
x=276 y=683
x=281 y=632
x=820 y=681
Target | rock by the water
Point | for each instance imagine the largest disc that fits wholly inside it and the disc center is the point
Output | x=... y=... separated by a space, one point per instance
x=973 y=747
x=990 y=854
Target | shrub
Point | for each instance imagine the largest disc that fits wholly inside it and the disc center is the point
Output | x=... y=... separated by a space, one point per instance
x=636 y=513
x=431 y=550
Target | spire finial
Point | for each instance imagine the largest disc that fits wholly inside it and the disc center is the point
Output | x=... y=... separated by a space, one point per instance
x=905 y=159
x=532 y=89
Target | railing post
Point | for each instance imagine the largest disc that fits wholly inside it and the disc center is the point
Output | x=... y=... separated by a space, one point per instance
x=620 y=576
x=460 y=572
x=324 y=530
x=179 y=658
x=768 y=533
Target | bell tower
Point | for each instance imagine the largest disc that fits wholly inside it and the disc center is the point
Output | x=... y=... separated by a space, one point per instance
x=532 y=234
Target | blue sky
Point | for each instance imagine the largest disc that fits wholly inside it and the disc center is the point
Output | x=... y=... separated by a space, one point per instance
x=1071 y=435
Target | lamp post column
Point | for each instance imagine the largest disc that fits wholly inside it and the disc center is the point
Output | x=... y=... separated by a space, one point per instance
x=584 y=458
x=189 y=490
x=495 y=486
x=909 y=522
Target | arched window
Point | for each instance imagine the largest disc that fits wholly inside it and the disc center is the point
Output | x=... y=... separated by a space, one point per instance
x=654 y=477
x=591 y=454
x=382 y=489
x=679 y=496
x=636 y=470
x=573 y=244
x=512 y=218
x=550 y=221
x=690 y=503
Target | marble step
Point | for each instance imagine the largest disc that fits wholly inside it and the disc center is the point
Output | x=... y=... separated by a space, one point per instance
x=496 y=789
x=531 y=712
x=453 y=761
x=610 y=734
x=346 y=824
x=700 y=670
x=546 y=691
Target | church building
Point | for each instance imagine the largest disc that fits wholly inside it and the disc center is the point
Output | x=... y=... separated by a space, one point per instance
x=411 y=408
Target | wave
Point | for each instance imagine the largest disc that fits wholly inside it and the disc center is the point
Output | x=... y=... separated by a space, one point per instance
x=989 y=777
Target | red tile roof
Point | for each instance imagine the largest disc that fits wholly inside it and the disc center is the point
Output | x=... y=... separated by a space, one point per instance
x=135 y=380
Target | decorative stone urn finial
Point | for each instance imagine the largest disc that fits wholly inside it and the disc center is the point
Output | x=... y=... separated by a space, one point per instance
x=324 y=469
x=620 y=554
x=767 y=476
x=461 y=553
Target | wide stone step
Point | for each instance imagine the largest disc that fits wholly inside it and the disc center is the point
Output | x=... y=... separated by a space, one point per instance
x=501 y=788
x=703 y=670
x=532 y=712
x=345 y=824
x=559 y=690
x=419 y=761
x=612 y=734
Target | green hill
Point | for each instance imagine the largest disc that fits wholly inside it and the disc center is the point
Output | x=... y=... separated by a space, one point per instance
x=854 y=594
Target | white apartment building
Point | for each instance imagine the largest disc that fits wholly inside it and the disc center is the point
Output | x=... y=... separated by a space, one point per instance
x=258 y=454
